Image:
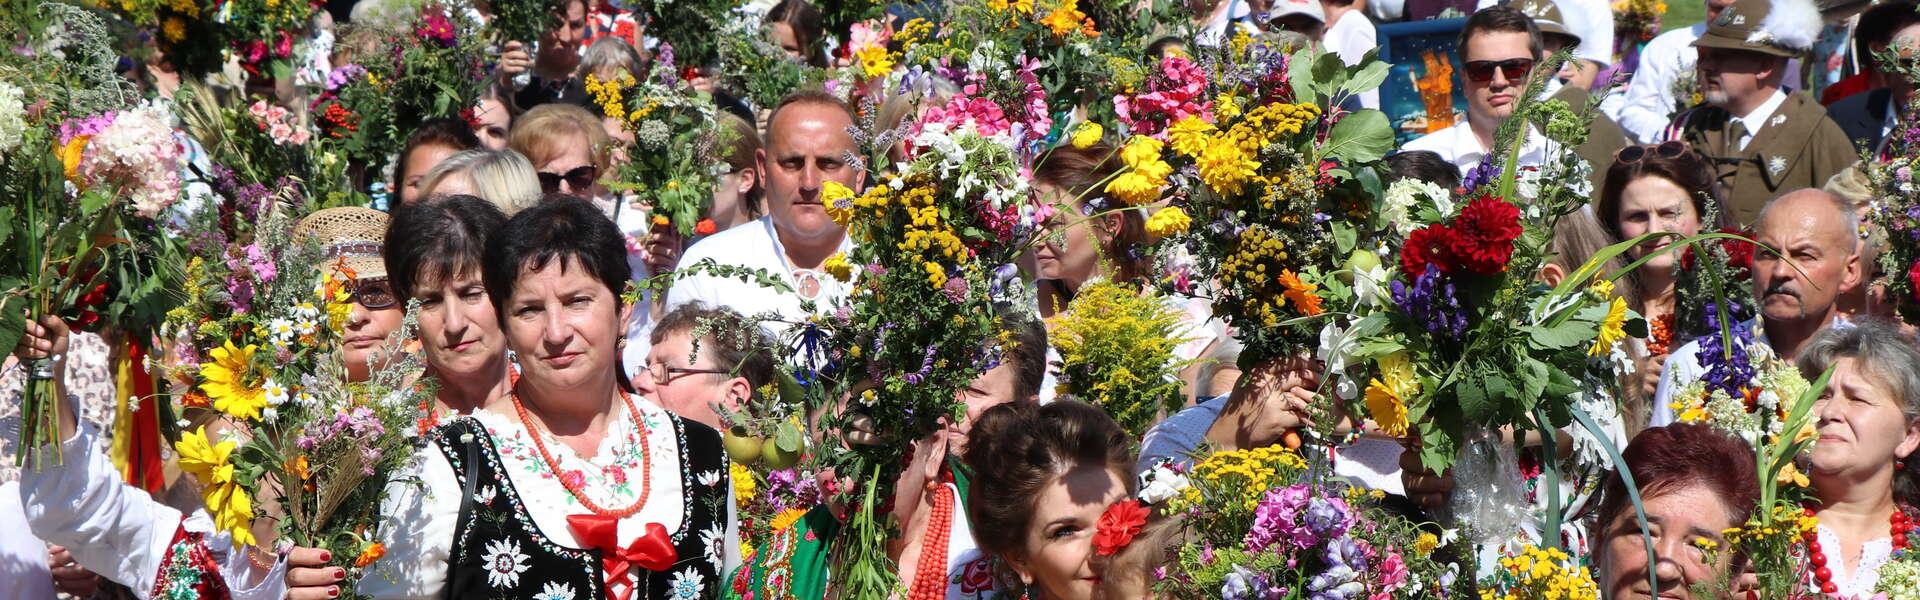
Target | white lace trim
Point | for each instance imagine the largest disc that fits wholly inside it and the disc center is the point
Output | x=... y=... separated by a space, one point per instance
x=1859 y=581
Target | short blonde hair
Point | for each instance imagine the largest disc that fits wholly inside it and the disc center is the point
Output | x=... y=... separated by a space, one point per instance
x=544 y=132
x=502 y=177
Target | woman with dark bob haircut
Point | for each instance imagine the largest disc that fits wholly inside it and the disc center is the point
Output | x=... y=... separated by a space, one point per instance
x=569 y=483
x=1695 y=482
x=434 y=249
x=1043 y=476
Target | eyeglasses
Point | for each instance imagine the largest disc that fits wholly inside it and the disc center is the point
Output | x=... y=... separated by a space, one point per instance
x=1669 y=149
x=1481 y=71
x=580 y=178
x=663 y=374
x=375 y=293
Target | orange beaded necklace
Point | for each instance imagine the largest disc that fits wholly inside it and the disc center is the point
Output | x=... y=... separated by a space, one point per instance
x=572 y=485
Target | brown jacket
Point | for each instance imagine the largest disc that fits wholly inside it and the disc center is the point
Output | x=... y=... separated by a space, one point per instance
x=1798 y=147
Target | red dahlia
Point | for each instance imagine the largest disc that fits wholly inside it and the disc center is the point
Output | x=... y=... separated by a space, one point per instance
x=1483 y=235
x=1427 y=245
x=1913 y=278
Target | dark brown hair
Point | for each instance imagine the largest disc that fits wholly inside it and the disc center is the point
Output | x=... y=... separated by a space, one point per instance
x=438 y=238
x=736 y=343
x=1080 y=172
x=1665 y=459
x=804 y=19
x=1688 y=170
x=1498 y=19
x=1017 y=449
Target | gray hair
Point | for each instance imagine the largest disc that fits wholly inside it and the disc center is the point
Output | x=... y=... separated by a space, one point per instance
x=607 y=54
x=503 y=177
x=1882 y=352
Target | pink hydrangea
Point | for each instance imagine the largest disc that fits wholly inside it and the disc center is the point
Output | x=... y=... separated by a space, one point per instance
x=137 y=154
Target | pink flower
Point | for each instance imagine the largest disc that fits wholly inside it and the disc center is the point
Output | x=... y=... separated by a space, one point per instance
x=258 y=110
x=1392 y=572
x=1173 y=93
x=573 y=479
x=281 y=132
x=283 y=48
x=865 y=35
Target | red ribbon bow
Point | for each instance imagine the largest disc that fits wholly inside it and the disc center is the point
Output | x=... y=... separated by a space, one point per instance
x=653 y=551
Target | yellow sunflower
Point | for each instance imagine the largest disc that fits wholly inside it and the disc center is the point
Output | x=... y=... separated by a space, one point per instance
x=231 y=382
x=1612 y=329
x=229 y=504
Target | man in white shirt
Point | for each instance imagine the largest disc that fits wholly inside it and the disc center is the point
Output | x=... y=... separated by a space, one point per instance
x=1350 y=34
x=1815 y=229
x=1666 y=60
x=807 y=145
x=1499 y=48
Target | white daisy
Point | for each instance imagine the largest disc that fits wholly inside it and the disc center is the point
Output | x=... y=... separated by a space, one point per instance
x=686 y=584
x=276 y=393
x=555 y=591
x=504 y=563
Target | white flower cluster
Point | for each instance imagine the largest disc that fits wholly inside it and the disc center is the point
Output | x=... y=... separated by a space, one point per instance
x=13 y=117
x=1407 y=195
x=1163 y=482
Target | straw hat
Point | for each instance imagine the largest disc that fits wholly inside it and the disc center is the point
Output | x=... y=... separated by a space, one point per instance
x=352 y=234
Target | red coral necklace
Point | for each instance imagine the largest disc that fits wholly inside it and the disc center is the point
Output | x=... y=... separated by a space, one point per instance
x=1817 y=557
x=574 y=486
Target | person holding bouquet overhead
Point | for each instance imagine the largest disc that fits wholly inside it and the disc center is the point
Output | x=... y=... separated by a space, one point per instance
x=570 y=486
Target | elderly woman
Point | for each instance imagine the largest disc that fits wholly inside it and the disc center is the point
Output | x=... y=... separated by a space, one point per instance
x=434 y=251
x=569 y=486
x=1867 y=430
x=1695 y=482
x=502 y=177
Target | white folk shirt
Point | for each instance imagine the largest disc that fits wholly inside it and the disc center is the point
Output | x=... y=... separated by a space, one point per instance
x=753 y=245
x=1459 y=146
x=420 y=520
x=1352 y=36
x=119 y=531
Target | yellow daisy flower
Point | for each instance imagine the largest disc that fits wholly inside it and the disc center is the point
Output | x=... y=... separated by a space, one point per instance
x=231 y=382
x=1612 y=329
x=1168 y=221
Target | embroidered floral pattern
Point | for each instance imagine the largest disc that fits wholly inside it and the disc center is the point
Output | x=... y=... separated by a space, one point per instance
x=555 y=591
x=686 y=585
x=610 y=478
x=504 y=563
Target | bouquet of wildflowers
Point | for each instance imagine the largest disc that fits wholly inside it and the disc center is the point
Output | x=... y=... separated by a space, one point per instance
x=755 y=69
x=1116 y=348
x=930 y=242
x=433 y=67
x=182 y=27
x=1637 y=21
x=1271 y=183
x=672 y=159
x=1542 y=574
x=309 y=450
x=263 y=35
x=89 y=178
x=1747 y=391
x=1257 y=529
x=1896 y=200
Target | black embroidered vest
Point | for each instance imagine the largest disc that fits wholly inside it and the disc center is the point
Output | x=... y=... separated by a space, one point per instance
x=498 y=552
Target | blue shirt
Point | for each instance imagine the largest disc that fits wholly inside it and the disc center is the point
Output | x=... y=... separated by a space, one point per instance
x=1180 y=435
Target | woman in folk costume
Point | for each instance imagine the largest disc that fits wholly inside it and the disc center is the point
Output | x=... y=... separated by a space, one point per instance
x=120 y=531
x=569 y=487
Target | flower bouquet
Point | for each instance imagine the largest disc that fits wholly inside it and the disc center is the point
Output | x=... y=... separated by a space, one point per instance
x=183 y=26
x=261 y=351
x=755 y=69
x=1896 y=200
x=929 y=242
x=433 y=67
x=89 y=178
x=1636 y=21
x=263 y=35
x=1275 y=182
x=1748 y=391
x=673 y=158
x=1255 y=528
x=519 y=21
x=1116 y=349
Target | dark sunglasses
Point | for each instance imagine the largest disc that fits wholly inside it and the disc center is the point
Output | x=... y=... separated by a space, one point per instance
x=1664 y=150
x=375 y=293
x=1481 y=71
x=580 y=178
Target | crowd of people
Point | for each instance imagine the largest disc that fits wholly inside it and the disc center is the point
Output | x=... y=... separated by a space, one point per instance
x=605 y=387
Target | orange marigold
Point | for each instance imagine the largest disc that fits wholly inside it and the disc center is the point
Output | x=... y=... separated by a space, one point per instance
x=1301 y=293
x=372 y=553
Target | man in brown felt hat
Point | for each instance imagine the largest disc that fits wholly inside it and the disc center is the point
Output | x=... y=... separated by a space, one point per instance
x=1760 y=140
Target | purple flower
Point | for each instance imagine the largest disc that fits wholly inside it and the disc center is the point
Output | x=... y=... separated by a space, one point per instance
x=1726 y=371
x=1481 y=174
x=1327 y=517
x=1433 y=302
x=1275 y=519
x=955 y=289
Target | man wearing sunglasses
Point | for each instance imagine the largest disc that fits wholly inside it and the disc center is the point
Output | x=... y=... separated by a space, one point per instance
x=1499 y=48
x=1760 y=140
